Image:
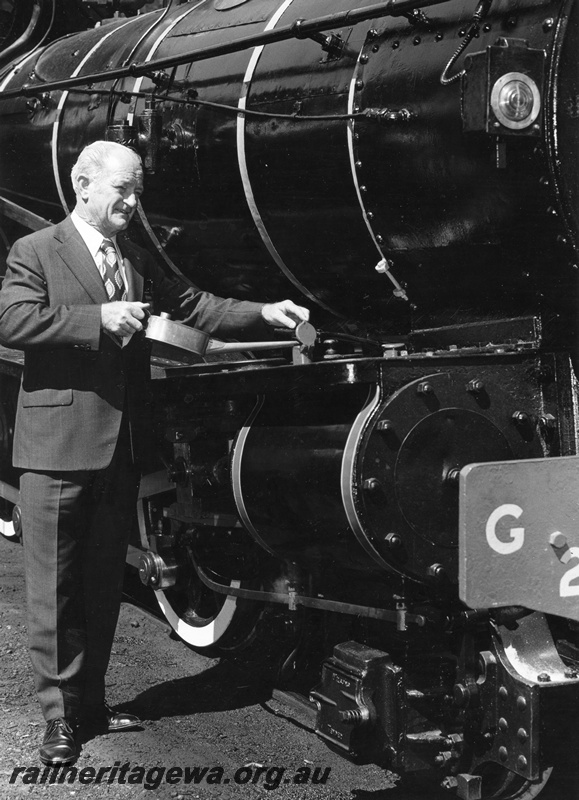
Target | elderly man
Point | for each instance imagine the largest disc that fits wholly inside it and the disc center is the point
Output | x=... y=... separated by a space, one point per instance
x=72 y=299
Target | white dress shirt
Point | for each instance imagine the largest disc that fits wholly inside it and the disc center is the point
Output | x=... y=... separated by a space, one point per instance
x=93 y=240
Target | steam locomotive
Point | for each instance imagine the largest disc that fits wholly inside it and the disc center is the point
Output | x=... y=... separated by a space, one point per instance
x=383 y=504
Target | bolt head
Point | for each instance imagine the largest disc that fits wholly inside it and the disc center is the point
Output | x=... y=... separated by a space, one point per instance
x=436 y=571
x=547 y=422
x=461 y=695
x=557 y=539
x=424 y=387
x=17 y=521
x=522 y=735
x=452 y=476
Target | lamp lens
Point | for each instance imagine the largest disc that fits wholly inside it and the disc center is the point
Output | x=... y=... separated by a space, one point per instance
x=516 y=100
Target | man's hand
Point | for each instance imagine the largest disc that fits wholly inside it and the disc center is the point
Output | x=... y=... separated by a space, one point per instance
x=284 y=314
x=122 y=318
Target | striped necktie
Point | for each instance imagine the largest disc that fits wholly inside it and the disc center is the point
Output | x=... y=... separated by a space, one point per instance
x=111 y=272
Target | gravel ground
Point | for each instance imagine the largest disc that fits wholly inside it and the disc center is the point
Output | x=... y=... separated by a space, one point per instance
x=198 y=712
x=211 y=730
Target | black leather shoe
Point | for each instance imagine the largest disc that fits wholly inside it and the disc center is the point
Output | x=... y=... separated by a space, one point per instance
x=58 y=746
x=103 y=717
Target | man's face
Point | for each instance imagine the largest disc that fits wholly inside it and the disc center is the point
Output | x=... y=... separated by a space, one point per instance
x=109 y=200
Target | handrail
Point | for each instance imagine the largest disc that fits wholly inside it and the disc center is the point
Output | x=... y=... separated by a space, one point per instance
x=299 y=29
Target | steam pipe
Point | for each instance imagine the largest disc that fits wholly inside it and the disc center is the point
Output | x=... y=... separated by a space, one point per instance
x=21 y=44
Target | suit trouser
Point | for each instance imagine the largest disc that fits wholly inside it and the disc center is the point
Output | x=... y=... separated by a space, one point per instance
x=76 y=527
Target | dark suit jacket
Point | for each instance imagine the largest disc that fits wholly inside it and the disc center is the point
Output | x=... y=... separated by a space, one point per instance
x=76 y=379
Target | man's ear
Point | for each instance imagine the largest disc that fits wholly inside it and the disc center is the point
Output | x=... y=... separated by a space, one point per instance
x=83 y=183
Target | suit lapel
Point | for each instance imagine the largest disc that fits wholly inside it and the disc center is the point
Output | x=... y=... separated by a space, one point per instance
x=75 y=254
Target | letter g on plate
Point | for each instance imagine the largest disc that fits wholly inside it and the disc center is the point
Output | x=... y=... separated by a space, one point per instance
x=517 y=535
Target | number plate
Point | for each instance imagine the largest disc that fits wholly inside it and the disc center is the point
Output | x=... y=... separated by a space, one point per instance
x=519 y=535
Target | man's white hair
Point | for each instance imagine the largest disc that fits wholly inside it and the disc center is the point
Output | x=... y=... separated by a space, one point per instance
x=93 y=157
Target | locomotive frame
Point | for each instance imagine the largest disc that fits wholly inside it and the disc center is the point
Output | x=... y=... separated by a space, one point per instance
x=307 y=497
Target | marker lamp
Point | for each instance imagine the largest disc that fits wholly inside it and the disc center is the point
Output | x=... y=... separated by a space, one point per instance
x=515 y=100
